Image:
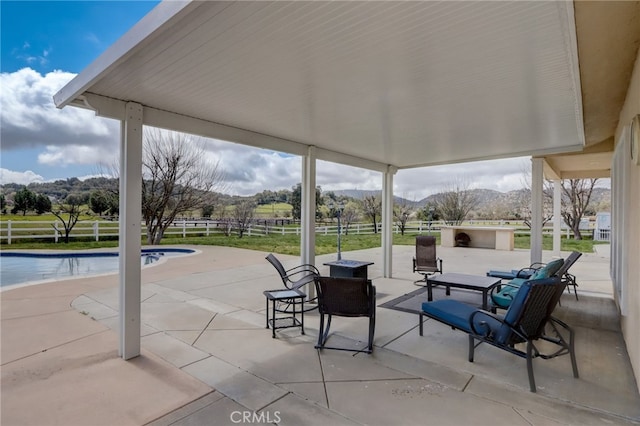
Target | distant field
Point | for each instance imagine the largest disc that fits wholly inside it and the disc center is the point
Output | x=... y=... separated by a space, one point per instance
x=274 y=210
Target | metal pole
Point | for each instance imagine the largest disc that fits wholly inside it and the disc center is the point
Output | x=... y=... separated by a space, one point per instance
x=339 y=234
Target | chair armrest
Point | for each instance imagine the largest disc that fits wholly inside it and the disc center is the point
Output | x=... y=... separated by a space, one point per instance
x=301 y=269
x=479 y=326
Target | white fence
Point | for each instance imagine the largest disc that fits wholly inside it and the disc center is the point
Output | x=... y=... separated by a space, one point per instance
x=11 y=231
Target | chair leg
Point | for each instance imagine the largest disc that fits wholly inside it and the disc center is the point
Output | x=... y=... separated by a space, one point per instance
x=532 y=380
x=321 y=332
x=372 y=327
x=572 y=352
x=472 y=347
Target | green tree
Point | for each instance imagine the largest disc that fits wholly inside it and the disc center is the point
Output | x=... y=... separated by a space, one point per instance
x=296 y=200
x=3 y=204
x=207 y=211
x=99 y=202
x=42 y=204
x=23 y=201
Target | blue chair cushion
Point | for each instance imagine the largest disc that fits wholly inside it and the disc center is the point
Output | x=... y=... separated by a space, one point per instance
x=458 y=315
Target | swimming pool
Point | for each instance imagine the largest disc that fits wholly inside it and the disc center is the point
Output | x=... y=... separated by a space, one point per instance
x=19 y=268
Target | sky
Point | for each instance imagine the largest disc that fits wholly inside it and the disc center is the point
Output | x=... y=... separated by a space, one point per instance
x=45 y=44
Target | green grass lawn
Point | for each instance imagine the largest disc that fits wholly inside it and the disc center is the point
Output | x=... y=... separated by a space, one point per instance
x=290 y=243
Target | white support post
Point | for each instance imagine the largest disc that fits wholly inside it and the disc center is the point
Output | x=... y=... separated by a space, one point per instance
x=387 y=221
x=9 y=232
x=308 y=212
x=557 y=217
x=96 y=231
x=130 y=230
x=537 y=178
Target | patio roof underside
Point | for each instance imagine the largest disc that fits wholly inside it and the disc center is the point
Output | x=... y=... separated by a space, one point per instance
x=372 y=84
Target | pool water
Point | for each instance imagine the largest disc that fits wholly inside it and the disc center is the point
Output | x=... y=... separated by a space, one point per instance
x=19 y=268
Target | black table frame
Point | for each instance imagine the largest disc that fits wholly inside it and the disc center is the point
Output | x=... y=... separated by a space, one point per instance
x=292 y=296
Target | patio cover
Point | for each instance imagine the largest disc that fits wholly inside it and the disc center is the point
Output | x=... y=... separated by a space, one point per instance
x=369 y=84
x=380 y=85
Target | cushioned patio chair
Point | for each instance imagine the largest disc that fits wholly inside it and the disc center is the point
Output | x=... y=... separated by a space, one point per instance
x=525 y=273
x=345 y=297
x=426 y=262
x=293 y=279
x=523 y=323
x=502 y=298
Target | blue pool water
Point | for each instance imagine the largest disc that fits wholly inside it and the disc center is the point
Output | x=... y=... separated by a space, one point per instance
x=18 y=268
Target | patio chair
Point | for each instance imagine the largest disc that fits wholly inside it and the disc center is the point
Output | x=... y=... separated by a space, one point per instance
x=293 y=279
x=426 y=262
x=345 y=297
x=503 y=297
x=524 y=322
x=525 y=273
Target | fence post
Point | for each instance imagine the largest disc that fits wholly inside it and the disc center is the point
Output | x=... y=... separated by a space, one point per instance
x=95 y=230
x=9 y=232
x=184 y=228
x=55 y=231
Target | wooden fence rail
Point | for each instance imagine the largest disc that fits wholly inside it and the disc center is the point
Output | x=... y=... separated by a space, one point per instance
x=11 y=231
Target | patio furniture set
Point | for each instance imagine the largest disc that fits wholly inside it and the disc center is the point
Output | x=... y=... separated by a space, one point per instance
x=528 y=300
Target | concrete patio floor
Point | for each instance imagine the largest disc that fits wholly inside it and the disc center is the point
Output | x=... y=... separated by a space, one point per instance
x=208 y=359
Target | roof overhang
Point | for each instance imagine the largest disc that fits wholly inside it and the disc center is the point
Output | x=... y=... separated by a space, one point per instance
x=370 y=84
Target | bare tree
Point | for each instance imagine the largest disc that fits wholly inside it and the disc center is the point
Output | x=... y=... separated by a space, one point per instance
x=372 y=208
x=455 y=202
x=402 y=212
x=578 y=195
x=243 y=215
x=176 y=179
x=350 y=214
x=71 y=208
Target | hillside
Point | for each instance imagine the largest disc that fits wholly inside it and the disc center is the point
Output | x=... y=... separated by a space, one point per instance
x=490 y=202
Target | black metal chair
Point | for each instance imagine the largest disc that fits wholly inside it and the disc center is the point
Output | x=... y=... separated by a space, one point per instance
x=294 y=279
x=426 y=262
x=345 y=297
x=529 y=272
x=525 y=322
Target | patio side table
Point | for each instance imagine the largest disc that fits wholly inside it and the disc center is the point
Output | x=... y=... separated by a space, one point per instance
x=289 y=320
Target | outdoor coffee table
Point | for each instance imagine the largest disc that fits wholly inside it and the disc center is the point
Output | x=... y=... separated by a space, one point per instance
x=466 y=281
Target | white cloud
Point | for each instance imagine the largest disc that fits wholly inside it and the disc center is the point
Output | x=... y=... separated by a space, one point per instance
x=22 y=178
x=30 y=118
x=78 y=154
